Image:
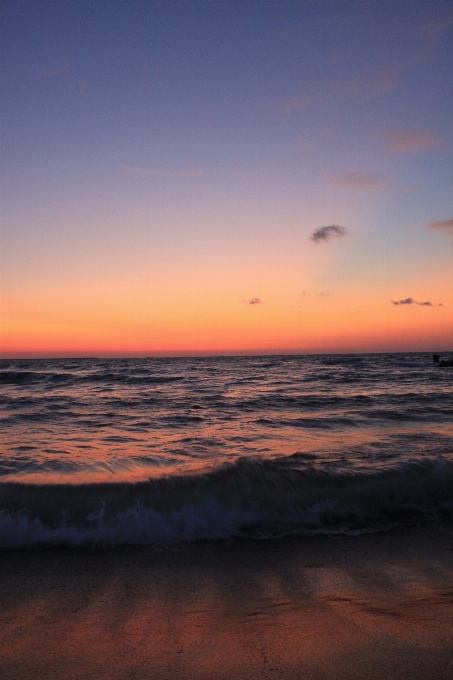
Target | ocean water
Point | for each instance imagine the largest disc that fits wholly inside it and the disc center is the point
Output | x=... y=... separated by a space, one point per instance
x=100 y=453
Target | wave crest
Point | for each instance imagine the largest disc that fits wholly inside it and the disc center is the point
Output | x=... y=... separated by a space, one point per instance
x=250 y=498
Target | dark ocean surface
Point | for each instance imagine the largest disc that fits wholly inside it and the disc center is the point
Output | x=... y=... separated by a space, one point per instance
x=152 y=451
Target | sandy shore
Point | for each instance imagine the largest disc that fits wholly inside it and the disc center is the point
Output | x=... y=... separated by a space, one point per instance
x=376 y=606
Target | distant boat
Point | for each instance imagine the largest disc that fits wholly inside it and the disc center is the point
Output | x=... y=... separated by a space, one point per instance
x=442 y=362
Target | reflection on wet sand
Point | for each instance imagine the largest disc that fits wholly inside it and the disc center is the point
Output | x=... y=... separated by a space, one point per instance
x=375 y=606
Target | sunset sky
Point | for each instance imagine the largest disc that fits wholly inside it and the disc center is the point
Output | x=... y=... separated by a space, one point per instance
x=197 y=177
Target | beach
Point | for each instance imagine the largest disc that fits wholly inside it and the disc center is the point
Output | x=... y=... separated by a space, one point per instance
x=226 y=357
x=371 y=606
x=227 y=518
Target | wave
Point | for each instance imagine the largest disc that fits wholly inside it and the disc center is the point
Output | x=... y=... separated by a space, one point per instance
x=53 y=378
x=20 y=377
x=248 y=498
x=342 y=360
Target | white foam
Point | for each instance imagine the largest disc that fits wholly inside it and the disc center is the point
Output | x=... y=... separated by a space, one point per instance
x=249 y=498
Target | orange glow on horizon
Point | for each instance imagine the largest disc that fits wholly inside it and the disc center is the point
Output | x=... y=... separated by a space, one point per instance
x=245 y=331
x=267 y=310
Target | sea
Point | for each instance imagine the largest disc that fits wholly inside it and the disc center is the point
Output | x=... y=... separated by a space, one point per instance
x=100 y=453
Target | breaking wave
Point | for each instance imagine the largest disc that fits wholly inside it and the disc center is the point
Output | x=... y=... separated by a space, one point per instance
x=248 y=498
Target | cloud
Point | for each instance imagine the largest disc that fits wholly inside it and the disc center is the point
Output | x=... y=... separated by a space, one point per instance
x=433 y=27
x=402 y=140
x=403 y=46
x=355 y=89
x=254 y=301
x=144 y=172
x=411 y=301
x=356 y=181
x=446 y=226
x=305 y=144
x=326 y=233
x=247 y=174
x=52 y=72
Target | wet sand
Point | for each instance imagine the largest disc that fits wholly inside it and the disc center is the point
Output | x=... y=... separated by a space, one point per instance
x=374 y=606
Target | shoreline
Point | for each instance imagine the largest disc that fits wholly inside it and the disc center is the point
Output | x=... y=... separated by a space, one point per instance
x=373 y=606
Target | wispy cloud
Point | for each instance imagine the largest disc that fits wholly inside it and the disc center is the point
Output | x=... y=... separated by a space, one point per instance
x=247 y=174
x=403 y=46
x=411 y=301
x=305 y=144
x=254 y=301
x=145 y=172
x=52 y=72
x=355 y=89
x=356 y=181
x=433 y=27
x=446 y=226
x=326 y=233
x=402 y=140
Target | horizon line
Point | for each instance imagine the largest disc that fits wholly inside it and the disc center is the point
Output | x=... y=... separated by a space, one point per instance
x=10 y=356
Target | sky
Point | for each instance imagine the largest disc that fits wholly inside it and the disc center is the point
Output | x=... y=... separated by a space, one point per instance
x=230 y=177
